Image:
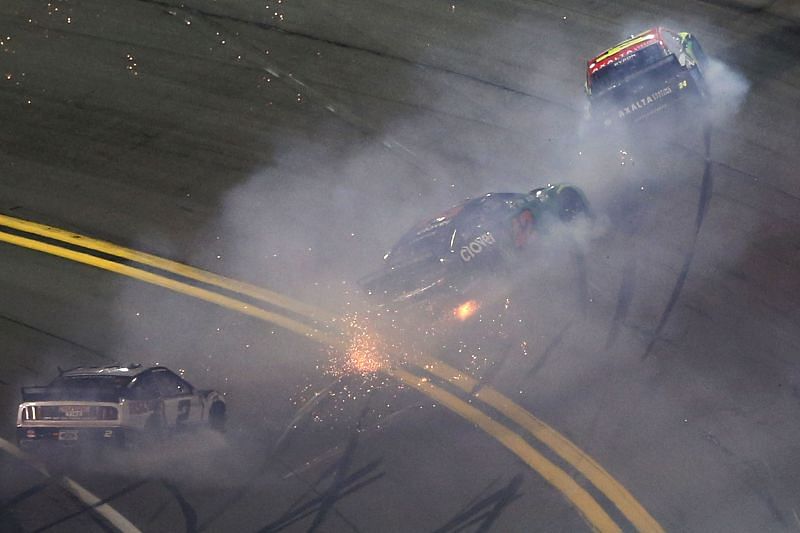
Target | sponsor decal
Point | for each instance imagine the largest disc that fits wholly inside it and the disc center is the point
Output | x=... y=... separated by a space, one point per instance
x=68 y=434
x=644 y=102
x=476 y=246
x=616 y=55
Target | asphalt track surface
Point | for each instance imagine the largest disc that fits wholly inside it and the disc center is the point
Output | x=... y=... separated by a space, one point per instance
x=287 y=147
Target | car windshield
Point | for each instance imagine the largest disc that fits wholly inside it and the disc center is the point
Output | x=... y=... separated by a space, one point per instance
x=613 y=74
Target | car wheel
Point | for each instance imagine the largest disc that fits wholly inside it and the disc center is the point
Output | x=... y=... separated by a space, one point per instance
x=154 y=427
x=571 y=204
x=217 y=417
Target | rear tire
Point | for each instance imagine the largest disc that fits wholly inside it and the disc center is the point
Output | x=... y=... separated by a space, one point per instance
x=154 y=427
x=217 y=417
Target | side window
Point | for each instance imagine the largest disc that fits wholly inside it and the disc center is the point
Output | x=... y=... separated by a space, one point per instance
x=144 y=388
x=675 y=45
x=672 y=42
x=170 y=384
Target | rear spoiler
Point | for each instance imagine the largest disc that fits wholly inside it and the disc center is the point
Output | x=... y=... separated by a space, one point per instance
x=34 y=394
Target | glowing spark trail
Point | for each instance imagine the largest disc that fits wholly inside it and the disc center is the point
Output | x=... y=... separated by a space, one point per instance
x=466 y=310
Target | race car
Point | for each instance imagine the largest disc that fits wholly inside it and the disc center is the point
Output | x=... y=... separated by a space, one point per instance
x=644 y=75
x=445 y=254
x=114 y=404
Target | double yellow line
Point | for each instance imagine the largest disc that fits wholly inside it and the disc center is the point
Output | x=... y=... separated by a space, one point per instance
x=316 y=327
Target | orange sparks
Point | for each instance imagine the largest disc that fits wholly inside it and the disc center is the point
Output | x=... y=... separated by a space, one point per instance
x=366 y=352
x=466 y=310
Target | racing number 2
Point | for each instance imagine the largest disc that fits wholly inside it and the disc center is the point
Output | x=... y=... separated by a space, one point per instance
x=183 y=411
x=521 y=228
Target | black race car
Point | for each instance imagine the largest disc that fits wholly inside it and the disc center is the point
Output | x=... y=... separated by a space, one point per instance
x=445 y=254
x=644 y=75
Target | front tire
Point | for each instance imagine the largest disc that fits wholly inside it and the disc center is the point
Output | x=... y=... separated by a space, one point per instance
x=154 y=428
x=571 y=204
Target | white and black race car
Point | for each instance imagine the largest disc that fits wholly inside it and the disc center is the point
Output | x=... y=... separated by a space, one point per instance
x=114 y=404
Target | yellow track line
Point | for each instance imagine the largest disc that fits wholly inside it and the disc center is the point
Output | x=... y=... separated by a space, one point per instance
x=166 y=265
x=564 y=448
x=586 y=505
x=177 y=286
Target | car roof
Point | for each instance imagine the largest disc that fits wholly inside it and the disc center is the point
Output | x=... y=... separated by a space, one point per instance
x=110 y=370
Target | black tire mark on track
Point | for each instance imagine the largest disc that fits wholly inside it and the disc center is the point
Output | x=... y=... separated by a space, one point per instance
x=486 y=511
x=549 y=350
x=342 y=484
x=189 y=514
x=85 y=348
x=302 y=415
x=348 y=46
x=22 y=496
x=706 y=191
x=86 y=508
x=624 y=299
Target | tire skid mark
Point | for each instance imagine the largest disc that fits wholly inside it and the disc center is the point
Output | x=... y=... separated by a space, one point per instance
x=343 y=484
x=486 y=511
x=624 y=299
x=31 y=327
x=302 y=415
x=549 y=350
x=706 y=192
x=89 y=500
x=348 y=46
x=22 y=496
x=81 y=494
x=189 y=514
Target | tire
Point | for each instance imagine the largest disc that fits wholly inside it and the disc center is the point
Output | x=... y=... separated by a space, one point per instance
x=570 y=204
x=154 y=427
x=217 y=417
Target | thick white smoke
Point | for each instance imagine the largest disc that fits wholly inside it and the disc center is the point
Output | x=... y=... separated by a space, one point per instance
x=728 y=89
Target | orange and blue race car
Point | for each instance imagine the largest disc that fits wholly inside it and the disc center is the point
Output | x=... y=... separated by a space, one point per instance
x=644 y=75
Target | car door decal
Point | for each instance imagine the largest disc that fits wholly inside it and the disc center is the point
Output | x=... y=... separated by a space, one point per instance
x=521 y=228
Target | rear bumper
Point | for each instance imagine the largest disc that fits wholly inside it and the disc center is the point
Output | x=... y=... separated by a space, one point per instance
x=650 y=101
x=35 y=437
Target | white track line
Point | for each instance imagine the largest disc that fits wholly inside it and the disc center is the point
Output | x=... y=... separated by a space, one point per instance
x=90 y=500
